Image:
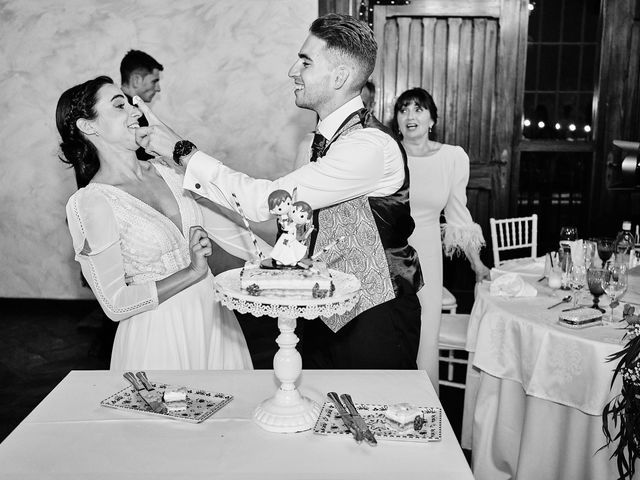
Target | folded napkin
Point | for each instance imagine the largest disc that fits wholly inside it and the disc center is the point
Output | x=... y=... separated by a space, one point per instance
x=523 y=266
x=511 y=285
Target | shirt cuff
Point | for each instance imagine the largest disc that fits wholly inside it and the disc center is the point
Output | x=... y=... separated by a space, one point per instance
x=199 y=169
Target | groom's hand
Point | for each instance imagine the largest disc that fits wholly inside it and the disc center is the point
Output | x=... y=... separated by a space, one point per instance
x=157 y=138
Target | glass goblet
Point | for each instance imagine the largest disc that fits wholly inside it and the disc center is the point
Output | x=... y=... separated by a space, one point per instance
x=595 y=279
x=605 y=249
x=615 y=284
x=569 y=233
x=577 y=280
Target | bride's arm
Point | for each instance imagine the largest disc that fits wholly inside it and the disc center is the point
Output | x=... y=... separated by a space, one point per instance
x=96 y=241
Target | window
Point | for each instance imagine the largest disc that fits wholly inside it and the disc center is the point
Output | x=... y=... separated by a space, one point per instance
x=556 y=149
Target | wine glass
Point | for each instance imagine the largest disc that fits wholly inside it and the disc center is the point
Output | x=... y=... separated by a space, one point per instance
x=577 y=280
x=595 y=279
x=605 y=249
x=568 y=234
x=615 y=283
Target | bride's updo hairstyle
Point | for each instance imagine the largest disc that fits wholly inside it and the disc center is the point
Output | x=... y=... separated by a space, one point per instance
x=76 y=103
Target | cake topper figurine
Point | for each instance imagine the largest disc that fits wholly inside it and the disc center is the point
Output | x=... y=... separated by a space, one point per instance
x=294 y=220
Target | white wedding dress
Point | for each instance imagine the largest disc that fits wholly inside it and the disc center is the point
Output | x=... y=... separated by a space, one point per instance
x=124 y=246
x=438 y=181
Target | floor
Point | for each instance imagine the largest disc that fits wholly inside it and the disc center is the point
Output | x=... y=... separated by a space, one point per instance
x=43 y=340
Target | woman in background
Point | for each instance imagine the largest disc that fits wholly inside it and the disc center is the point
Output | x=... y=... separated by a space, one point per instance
x=137 y=237
x=439 y=176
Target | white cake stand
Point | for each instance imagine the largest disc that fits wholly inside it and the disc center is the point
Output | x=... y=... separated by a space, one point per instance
x=287 y=411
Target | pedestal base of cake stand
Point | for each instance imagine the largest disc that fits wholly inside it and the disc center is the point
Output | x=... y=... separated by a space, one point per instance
x=287 y=411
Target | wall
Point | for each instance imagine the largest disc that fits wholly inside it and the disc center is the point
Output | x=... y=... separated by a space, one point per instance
x=225 y=86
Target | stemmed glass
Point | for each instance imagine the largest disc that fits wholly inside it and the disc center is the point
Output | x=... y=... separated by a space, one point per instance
x=605 y=249
x=615 y=283
x=577 y=280
x=569 y=233
x=595 y=279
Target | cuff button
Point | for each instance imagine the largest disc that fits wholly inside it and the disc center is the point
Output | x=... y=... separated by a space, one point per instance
x=197 y=185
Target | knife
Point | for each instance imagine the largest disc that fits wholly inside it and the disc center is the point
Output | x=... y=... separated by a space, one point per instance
x=142 y=376
x=150 y=398
x=346 y=416
x=360 y=423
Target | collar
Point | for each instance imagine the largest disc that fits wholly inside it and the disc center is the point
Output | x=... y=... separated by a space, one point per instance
x=329 y=126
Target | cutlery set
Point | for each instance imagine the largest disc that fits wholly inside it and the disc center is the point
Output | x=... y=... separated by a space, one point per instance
x=147 y=392
x=352 y=418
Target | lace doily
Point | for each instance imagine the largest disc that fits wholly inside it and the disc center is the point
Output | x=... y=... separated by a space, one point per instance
x=345 y=297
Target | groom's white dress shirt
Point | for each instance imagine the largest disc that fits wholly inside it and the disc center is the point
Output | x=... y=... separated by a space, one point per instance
x=362 y=162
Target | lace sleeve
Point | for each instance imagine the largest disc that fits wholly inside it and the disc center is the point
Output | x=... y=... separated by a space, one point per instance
x=96 y=242
x=460 y=234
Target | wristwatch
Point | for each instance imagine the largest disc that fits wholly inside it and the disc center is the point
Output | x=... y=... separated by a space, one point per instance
x=181 y=149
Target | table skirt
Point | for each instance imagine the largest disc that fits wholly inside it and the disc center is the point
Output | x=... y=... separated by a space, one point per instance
x=560 y=442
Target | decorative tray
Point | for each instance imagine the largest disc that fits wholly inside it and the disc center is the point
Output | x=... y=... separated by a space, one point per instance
x=330 y=423
x=200 y=403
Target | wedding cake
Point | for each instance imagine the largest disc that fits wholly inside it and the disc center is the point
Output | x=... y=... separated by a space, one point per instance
x=289 y=272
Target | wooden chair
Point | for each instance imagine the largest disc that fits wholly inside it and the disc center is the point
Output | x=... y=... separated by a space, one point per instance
x=519 y=233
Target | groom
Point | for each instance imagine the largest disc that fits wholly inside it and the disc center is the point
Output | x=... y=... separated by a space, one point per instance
x=357 y=182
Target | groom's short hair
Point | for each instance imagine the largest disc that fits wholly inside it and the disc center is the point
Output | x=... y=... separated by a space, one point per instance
x=137 y=61
x=350 y=37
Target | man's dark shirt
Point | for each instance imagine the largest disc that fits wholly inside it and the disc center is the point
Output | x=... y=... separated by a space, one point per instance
x=142 y=121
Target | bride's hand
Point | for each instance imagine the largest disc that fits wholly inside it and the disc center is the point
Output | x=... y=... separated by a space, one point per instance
x=157 y=138
x=200 y=247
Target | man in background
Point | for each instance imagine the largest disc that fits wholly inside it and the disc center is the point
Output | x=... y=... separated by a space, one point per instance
x=140 y=75
x=368 y=94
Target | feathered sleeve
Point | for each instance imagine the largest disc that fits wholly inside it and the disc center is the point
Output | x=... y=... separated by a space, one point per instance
x=460 y=234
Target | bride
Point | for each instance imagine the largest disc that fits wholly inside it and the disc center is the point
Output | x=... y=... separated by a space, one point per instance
x=137 y=236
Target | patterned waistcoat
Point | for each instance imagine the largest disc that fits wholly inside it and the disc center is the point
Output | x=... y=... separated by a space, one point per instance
x=376 y=231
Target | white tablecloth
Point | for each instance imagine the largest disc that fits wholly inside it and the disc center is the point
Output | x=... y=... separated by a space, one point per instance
x=537 y=390
x=70 y=436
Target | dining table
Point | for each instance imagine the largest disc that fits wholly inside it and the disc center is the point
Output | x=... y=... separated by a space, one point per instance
x=535 y=387
x=71 y=434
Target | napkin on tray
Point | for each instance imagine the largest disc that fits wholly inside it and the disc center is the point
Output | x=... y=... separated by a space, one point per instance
x=511 y=285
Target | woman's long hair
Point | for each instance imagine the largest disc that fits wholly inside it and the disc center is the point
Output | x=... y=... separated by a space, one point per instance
x=76 y=103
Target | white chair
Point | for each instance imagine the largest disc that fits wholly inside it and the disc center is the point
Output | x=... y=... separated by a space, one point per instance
x=514 y=234
x=453 y=337
x=449 y=302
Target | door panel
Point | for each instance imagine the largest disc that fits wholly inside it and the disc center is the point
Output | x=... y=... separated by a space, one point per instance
x=467 y=54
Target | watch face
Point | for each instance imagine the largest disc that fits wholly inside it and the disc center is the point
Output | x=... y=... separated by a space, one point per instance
x=182 y=148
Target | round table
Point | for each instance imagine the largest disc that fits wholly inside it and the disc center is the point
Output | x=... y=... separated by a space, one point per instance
x=287 y=411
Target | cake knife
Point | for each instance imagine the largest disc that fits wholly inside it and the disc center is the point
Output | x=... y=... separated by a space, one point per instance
x=148 y=397
x=360 y=423
x=346 y=416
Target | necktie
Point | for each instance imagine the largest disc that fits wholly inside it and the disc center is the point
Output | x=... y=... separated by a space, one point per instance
x=317 y=148
x=319 y=142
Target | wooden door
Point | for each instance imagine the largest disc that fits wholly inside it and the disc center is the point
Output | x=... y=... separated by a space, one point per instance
x=470 y=55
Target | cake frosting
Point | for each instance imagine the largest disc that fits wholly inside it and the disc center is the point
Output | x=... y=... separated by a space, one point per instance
x=313 y=282
x=402 y=417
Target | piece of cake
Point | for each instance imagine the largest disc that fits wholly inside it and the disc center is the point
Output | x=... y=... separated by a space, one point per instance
x=314 y=282
x=175 y=398
x=402 y=417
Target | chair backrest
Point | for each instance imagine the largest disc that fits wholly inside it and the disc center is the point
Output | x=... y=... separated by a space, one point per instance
x=512 y=234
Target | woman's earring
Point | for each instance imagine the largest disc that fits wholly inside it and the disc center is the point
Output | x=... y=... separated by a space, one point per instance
x=430 y=127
